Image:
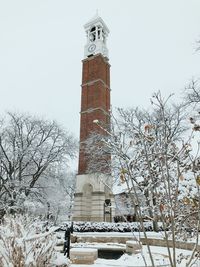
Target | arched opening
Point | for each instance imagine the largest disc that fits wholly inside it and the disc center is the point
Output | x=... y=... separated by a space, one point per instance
x=93 y=34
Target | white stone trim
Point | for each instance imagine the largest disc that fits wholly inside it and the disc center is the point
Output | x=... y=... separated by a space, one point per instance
x=93 y=109
x=94 y=81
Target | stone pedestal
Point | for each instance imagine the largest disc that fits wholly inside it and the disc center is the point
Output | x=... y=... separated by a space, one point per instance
x=83 y=255
x=91 y=193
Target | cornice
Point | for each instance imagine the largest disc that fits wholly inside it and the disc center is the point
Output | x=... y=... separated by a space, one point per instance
x=105 y=59
x=94 y=109
x=95 y=20
x=95 y=81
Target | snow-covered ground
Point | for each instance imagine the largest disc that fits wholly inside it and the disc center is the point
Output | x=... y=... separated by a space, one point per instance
x=137 y=235
x=160 y=256
x=29 y=241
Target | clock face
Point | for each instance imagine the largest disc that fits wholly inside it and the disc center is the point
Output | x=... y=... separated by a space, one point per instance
x=92 y=47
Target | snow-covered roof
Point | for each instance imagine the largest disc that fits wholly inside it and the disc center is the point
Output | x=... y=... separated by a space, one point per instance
x=120 y=188
x=95 y=20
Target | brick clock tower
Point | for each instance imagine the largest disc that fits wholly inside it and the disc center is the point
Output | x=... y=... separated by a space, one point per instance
x=92 y=200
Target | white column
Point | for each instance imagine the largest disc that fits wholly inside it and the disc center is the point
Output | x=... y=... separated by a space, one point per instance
x=88 y=36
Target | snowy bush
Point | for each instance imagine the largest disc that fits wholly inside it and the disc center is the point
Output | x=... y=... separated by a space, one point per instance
x=27 y=243
x=109 y=227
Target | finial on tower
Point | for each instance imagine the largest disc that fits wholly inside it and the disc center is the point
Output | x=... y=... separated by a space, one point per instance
x=97 y=33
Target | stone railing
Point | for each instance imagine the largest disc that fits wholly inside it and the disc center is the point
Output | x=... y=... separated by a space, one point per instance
x=163 y=243
x=122 y=239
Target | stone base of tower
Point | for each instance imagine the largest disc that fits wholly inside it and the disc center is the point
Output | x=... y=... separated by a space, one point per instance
x=89 y=199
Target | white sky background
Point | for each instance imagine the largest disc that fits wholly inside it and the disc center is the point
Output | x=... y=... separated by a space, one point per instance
x=151 y=47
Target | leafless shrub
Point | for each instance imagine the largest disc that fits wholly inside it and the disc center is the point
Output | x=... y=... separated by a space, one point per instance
x=25 y=243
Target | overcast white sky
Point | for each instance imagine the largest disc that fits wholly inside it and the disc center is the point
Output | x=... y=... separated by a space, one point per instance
x=151 y=47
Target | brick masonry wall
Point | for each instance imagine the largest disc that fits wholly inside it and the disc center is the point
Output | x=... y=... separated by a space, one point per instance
x=95 y=101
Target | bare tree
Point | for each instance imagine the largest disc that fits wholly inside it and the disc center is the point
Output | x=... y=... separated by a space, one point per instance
x=29 y=147
x=59 y=205
x=192 y=92
x=151 y=153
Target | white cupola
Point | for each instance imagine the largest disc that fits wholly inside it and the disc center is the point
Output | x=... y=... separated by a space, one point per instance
x=97 y=33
